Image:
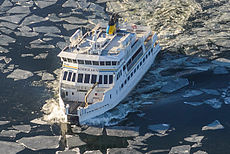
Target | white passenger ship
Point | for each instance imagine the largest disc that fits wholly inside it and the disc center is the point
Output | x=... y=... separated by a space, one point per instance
x=102 y=66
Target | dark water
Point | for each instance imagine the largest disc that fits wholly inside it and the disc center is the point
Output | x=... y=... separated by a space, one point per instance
x=21 y=101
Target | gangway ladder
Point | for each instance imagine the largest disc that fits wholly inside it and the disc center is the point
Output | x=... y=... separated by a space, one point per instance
x=87 y=94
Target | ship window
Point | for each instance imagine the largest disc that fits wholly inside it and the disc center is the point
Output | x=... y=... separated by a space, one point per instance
x=128 y=77
x=123 y=67
x=69 y=76
x=125 y=81
x=110 y=79
x=108 y=63
x=69 y=60
x=140 y=63
x=146 y=56
x=74 y=76
x=87 y=62
x=137 y=66
x=105 y=79
x=143 y=59
x=132 y=74
x=102 y=63
x=94 y=79
x=149 y=53
x=135 y=70
x=74 y=61
x=114 y=63
x=87 y=77
x=65 y=75
x=64 y=59
x=80 y=78
x=100 y=79
x=95 y=63
x=152 y=50
x=81 y=61
x=117 y=76
x=66 y=93
x=72 y=93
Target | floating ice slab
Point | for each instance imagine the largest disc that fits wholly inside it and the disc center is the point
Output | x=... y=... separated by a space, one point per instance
x=151 y=88
x=147 y=103
x=215 y=103
x=19 y=9
x=5 y=40
x=4 y=122
x=220 y=70
x=43 y=4
x=93 y=152
x=20 y=74
x=141 y=115
x=174 y=85
x=32 y=19
x=14 y=18
x=40 y=142
x=210 y=91
x=227 y=100
x=47 y=76
x=194 y=103
x=9 y=133
x=75 y=20
x=10 y=147
x=41 y=56
x=70 y=27
x=3 y=50
x=22 y=128
x=213 y=126
x=94 y=130
x=122 y=131
x=183 y=149
x=122 y=150
x=194 y=138
x=191 y=93
x=69 y=3
x=74 y=141
x=200 y=152
x=6 y=3
x=222 y=62
x=27 y=55
x=72 y=151
x=39 y=121
x=46 y=29
x=159 y=128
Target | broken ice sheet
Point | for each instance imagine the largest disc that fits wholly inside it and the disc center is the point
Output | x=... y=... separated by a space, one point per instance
x=5 y=40
x=200 y=152
x=147 y=103
x=215 y=103
x=20 y=74
x=174 y=85
x=13 y=18
x=22 y=128
x=32 y=19
x=42 y=4
x=46 y=29
x=4 y=122
x=10 y=147
x=194 y=103
x=27 y=55
x=41 y=56
x=227 y=100
x=122 y=150
x=19 y=9
x=213 y=126
x=210 y=91
x=191 y=93
x=72 y=151
x=40 y=142
x=74 y=141
x=122 y=131
x=159 y=128
x=182 y=149
x=93 y=152
x=94 y=130
x=9 y=133
x=194 y=138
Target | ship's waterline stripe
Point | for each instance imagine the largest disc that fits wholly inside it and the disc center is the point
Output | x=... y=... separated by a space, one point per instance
x=101 y=70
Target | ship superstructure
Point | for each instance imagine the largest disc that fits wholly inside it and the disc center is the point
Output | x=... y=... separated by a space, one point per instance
x=102 y=66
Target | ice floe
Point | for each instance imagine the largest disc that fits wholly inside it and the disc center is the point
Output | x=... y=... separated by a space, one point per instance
x=13 y=18
x=20 y=74
x=74 y=141
x=213 y=126
x=141 y=115
x=42 y=4
x=194 y=103
x=182 y=149
x=93 y=152
x=39 y=121
x=27 y=55
x=147 y=103
x=159 y=128
x=174 y=85
x=75 y=20
x=46 y=29
x=32 y=19
x=215 y=103
x=41 y=56
x=22 y=128
x=194 y=138
x=3 y=50
x=69 y=3
x=10 y=147
x=70 y=27
x=5 y=40
x=93 y=130
x=200 y=152
x=210 y=91
x=4 y=122
x=227 y=100
x=19 y=9
x=9 y=133
x=40 y=142
x=122 y=131
x=72 y=151
x=191 y=93
x=47 y=76
x=220 y=70
x=122 y=150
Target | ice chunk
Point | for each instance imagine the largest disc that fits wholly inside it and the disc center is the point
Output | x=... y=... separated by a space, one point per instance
x=93 y=130
x=182 y=149
x=200 y=152
x=19 y=9
x=70 y=27
x=7 y=60
x=213 y=126
x=222 y=62
x=39 y=121
x=122 y=150
x=147 y=103
x=47 y=76
x=74 y=141
x=191 y=93
x=93 y=152
x=13 y=18
x=72 y=151
x=6 y=3
x=32 y=19
x=141 y=115
x=62 y=45
x=3 y=50
x=69 y=3
x=46 y=29
x=151 y=88
x=27 y=55
x=210 y=91
x=10 y=147
x=20 y=74
x=75 y=20
x=227 y=100
x=194 y=138
x=42 y=4
x=41 y=56
x=23 y=128
x=122 y=131
x=215 y=103
x=194 y=103
x=40 y=142
x=5 y=40
x=9 y=133
x=4 y=122
x=159 y=128
x=174 y=85
x=220 y=70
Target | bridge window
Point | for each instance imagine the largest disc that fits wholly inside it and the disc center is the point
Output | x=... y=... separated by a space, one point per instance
x=128 y=77
x=110 y=79
x=94 y=79
x=69 y=60
x=135 y=70
x=108 y=63
x=81 y=61
x=69 y=76
x=74 y=77
x=95 y=63
x=100 y=79
x=143 y=59
x=105 y=79
x=140 y=63
x=137 y=67
x=114 y=63
x=80 y=78
x=74 y=61
x=64 y=59
x=87 y=62
x=102 y=63
x=65 y=75
x=87 y=77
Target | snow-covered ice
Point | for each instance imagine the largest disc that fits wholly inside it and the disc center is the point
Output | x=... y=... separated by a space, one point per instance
x=182 y=149
x=9 y=133
x=215 y=103
x=213 y=126
x=174 y=85
x=22 y=128
x=20 y=74
x=122 y=131
x=10 y=147
x=159 y=128
x=194 y=103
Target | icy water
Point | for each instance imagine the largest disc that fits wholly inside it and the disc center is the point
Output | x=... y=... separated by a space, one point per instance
x=180 y=106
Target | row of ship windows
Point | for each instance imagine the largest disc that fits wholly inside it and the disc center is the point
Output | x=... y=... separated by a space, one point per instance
x=88 y=62
x=88 y=78
x=135 y=69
